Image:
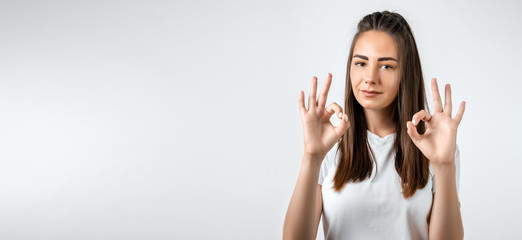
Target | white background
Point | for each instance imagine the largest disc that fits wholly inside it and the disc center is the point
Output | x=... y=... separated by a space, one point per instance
x=180 y=120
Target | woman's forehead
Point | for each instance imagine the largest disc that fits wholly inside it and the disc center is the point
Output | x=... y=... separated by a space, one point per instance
x=375 y=44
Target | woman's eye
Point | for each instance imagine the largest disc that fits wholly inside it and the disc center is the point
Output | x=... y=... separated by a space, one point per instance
x=360 y=64
x=387 y=67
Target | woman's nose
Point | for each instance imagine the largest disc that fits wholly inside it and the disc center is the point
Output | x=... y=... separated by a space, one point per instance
x=370 y=76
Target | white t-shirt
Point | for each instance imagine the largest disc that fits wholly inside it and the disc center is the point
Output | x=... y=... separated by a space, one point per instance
x=375 y=208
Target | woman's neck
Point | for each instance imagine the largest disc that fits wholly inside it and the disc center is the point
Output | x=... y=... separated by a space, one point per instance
x=380 y=122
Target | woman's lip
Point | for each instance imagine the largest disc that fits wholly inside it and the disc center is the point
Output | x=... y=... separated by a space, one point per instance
x=370 y=94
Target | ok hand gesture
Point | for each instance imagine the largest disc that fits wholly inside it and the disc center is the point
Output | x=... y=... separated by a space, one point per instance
x=438 y=143
x=319 y=133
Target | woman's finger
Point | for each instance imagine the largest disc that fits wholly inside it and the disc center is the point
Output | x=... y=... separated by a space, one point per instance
x=343 y=126
x=447 y=100
x=460 y=112
x=300 y=99
x=412 y=132
x=324 y=91
x=313 y=90
x=437 y=103
x=420 y=115
x=334 y=108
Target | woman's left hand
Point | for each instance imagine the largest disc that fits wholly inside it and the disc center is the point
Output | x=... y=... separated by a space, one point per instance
x=438 y=143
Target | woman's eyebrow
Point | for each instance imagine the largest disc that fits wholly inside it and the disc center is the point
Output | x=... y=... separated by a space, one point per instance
x=386 y=59
x=379 y=59
x=360 y=56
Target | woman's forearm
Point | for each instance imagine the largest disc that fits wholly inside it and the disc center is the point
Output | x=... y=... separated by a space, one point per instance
x=445 y=220
x=300 y=218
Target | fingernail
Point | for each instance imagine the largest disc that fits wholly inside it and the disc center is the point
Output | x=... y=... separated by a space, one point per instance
x=346 y=118
x=413 y=121
x=340 y=115
x=407 y=126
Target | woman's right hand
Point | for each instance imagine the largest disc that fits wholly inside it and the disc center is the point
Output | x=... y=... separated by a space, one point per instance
x=319 y=133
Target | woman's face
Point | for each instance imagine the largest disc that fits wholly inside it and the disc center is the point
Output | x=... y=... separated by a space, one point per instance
x=374 y=72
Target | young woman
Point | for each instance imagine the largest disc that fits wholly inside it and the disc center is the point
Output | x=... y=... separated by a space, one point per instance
x=389 y=170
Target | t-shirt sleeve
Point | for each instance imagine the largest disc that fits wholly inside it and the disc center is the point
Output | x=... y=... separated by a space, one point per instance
x=322 y=172
x=327 y=164
x=457 y=164
x=457 y=172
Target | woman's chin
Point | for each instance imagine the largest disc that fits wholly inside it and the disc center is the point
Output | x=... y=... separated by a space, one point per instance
x=369 y=104
x=372 y=105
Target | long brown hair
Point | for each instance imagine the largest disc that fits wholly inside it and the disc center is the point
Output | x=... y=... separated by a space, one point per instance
x=356 y=157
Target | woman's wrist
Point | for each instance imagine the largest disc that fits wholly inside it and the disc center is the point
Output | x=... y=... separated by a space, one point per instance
x=444 y=166
x=310 y=159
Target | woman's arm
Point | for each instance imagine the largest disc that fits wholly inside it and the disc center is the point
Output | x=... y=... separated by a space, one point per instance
x=439 y=145
x=304 y=212
x=445 y=219
x=320 y=135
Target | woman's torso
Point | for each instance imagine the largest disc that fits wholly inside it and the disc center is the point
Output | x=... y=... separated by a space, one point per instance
x=374 y=208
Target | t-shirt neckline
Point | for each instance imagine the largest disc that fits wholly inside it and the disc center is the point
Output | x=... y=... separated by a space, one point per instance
x=381 y=139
